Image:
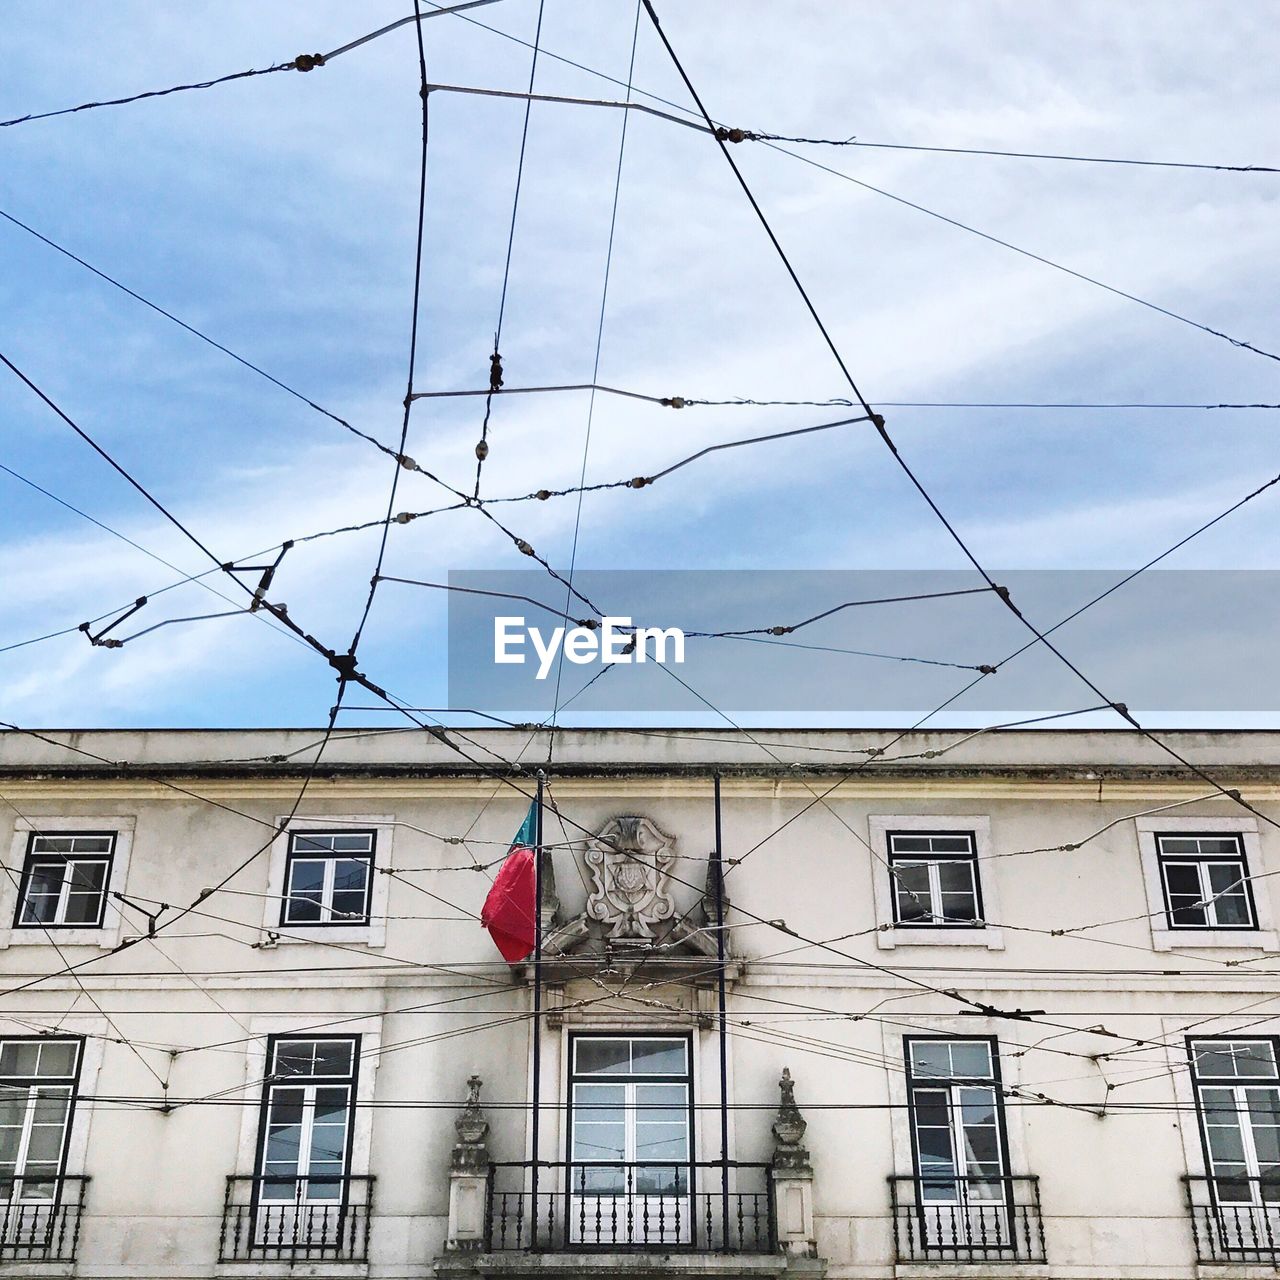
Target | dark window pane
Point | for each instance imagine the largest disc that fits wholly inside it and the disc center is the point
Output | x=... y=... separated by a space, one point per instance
x=333 y=1057
x=934 y=1145
x=348 y=906
x=1233 y=909
x=351 y=873
x=19 y=1058
x=88 y=875
x=303 y=909
x=306 y=876
x=83 y=908
x=1186 y=911
x=331 y=1105
x=955 y=877
x=970 y=1059
x=930 y=1058
x=658 y=1057
x=597 y=1057
x=1182 y=878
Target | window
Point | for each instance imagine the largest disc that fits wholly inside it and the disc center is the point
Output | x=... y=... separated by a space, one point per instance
x=1237 y=1087
x=38 y=1079
x=65 y=879
x=630 y=1137
x=328 y=878
x=957 y=1120
x=935 y=880
x=1205 y=882
x=305 y=1136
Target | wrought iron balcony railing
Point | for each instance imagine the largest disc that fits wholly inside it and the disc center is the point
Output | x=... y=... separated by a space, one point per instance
x=293 y=1219
x=40 y=1218
x=967 y=1219
x=646 y=1205
x=1235 y=1219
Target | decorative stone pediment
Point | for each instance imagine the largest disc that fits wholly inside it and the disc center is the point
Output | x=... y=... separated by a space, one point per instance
x=630 y=861
x=631 y=912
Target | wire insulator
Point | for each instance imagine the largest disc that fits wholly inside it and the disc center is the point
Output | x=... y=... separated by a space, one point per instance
x=482 y=449
x=638 y=482
x=674 y=402
x=524 y=548
x=403 y=517
x=542 y=495
x=495 y=372
x=731 y=135
x=308 y=61
x=406 y=462
x=781 y=631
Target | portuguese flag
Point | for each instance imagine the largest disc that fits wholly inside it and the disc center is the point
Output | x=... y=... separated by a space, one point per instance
x=508 y=911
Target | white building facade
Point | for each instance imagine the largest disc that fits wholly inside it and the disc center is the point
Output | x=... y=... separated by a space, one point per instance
x=1003 y=1004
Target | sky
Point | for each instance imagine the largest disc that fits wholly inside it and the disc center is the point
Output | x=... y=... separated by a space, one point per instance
x=277 y=214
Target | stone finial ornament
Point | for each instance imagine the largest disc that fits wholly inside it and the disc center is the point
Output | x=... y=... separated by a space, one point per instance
x=471 y=1151
x=788 y=1128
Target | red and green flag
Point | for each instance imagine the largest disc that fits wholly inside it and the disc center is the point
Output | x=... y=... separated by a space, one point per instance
x=508 y=911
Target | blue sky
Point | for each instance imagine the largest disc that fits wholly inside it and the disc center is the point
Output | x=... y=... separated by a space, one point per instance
x=277 y=214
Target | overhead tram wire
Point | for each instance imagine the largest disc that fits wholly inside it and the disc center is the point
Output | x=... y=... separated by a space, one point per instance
x=689 y=402
x=595 y=374
x=1006 y=598
x=738 y=135
x=1014 y=155
x=1209 y=524
x=413 y=356
x=674 y=401
x=408 y=463
x=401 y=518
x=795 y=155
x=303 y=62
x=766 y=922
x=495 y=361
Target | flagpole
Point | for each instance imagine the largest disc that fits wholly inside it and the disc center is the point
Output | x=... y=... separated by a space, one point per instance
x=537 y=1007
x=724 y=1058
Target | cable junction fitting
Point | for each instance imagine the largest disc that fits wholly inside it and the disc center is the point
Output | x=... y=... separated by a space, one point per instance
x=98 y=640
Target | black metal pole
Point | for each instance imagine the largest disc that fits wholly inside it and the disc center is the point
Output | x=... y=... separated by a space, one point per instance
x=537 y=1009
x=724 y=1051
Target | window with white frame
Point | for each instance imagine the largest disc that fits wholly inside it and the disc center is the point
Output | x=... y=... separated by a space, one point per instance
x=328 y=878
x=65 y=880
x=934 y=880
x=630 y=1137
x=38 y=1082
x=307 y=1109
x=1205 y=880
x=957 y=1119
x=1237 y=1089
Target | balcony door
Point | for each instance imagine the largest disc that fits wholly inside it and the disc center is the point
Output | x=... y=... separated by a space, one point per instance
x=958 y=1139
x=38 y=1079
x=1237 y=1084
x=630 y=1167
x=301 y=1190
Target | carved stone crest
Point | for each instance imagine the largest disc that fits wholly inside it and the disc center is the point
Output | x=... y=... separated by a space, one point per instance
x=630 y=863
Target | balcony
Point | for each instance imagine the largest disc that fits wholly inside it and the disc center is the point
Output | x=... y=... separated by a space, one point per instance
x=41 y=1218
x=1235 y=1219
x=296 y=1219
x=583 y=1207
x=967 y=1219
